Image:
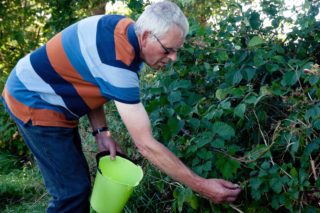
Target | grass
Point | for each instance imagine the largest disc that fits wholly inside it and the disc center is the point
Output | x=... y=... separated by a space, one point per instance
x=37 y=206
x=22 y=189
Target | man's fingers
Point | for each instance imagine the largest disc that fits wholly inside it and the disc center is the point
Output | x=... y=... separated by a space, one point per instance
x=229 y=185
x=234 y=192
x=112 y=150
x=231 y=199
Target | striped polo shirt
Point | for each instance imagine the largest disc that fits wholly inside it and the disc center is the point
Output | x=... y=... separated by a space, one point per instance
x=78 y=70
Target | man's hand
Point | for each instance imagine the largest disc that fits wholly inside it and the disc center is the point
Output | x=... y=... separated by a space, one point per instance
x=219 y=191
x=106 y=143
x=104 y=140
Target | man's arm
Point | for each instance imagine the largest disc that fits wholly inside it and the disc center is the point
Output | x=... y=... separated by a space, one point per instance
x=104 y=140
x=138 y=124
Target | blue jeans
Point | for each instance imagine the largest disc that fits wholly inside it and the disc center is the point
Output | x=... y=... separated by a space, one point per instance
x=59 y=155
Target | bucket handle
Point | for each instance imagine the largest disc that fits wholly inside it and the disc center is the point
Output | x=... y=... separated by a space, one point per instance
x=104 y=153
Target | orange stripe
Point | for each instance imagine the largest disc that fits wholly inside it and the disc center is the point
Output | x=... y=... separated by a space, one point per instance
x=60 y=62
x=19 y=110
x=124 y=50
x=41 y=117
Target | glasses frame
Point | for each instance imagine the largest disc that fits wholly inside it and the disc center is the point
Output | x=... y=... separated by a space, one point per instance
x=167 y=50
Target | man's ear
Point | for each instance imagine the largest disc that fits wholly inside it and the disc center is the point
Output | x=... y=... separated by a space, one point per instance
x=144 y=38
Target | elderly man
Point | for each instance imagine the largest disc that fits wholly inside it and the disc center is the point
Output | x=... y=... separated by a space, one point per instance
x=74 y=74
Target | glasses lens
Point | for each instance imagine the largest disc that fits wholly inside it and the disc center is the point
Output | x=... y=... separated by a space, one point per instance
x=166 y=50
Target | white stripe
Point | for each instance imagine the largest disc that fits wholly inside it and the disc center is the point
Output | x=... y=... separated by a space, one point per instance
x=32 y=81
x=118 y=77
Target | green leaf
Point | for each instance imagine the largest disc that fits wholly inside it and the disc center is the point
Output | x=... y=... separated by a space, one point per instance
x=303 y=175
x=312 y=147
x=276 y=185
x=264 y=90
x=174 y=96
x=316 y=124
x=265 y=165
x=204 y=154
x=214 y=113
x=155 y=91
x=237 y=77
x=221 y=94
x=222 y=55
x=225 y=105
x=293 y=172
x=294 y=145
x=251 y=100
x=259 y=58
x=312 y=113
x=224 y=130
x=240 y=110
x=277 y=201
x=255 y=183
x=207 y=166
x=255 y=41
x=278 y=48
x=218 y=143
x=194 y=123
x=272 y=67
x=227 y=166
x=279 y=59
x=180 y=196
x=254 y=20
x=172 y=128
x=180 y=84
x=183 y=195
x=249 y=73
x=237 y=92
x=313 y=80
x=243 y=56
x=205 y=138
x=207 y=66
x=289 y=78
x=183 y=110
x=193 y=201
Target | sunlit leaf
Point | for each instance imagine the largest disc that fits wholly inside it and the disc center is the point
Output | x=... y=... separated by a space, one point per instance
x=255 y=41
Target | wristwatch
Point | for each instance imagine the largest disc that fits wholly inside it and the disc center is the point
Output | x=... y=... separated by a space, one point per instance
x=99 y=130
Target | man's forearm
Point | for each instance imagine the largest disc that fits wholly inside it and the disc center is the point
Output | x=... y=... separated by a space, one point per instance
x=165 y=160
x=97 y=118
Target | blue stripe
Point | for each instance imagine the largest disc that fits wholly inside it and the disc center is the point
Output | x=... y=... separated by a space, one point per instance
x=41 y=65
x=71 y=46
x=105 y=37
x=31 y=99
x=134 y=67
x=125 y=95
x=106 y=46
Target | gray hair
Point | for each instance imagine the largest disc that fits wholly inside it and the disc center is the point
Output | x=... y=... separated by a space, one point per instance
x=159 y=17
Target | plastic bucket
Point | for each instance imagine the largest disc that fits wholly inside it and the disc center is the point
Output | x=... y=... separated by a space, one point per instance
x=114 y=183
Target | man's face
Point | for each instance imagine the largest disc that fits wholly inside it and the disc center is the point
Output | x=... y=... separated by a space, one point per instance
x=158 y=51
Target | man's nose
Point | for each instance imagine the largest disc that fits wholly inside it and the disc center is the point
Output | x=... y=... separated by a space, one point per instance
x=173 y=56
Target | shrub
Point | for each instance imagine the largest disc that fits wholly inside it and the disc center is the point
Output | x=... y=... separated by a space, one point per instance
x=239 y=106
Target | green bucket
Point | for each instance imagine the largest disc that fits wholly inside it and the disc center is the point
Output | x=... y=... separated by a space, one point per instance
x=114 y=183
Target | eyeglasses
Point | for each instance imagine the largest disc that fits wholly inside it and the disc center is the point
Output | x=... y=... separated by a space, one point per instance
x=167 y=50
